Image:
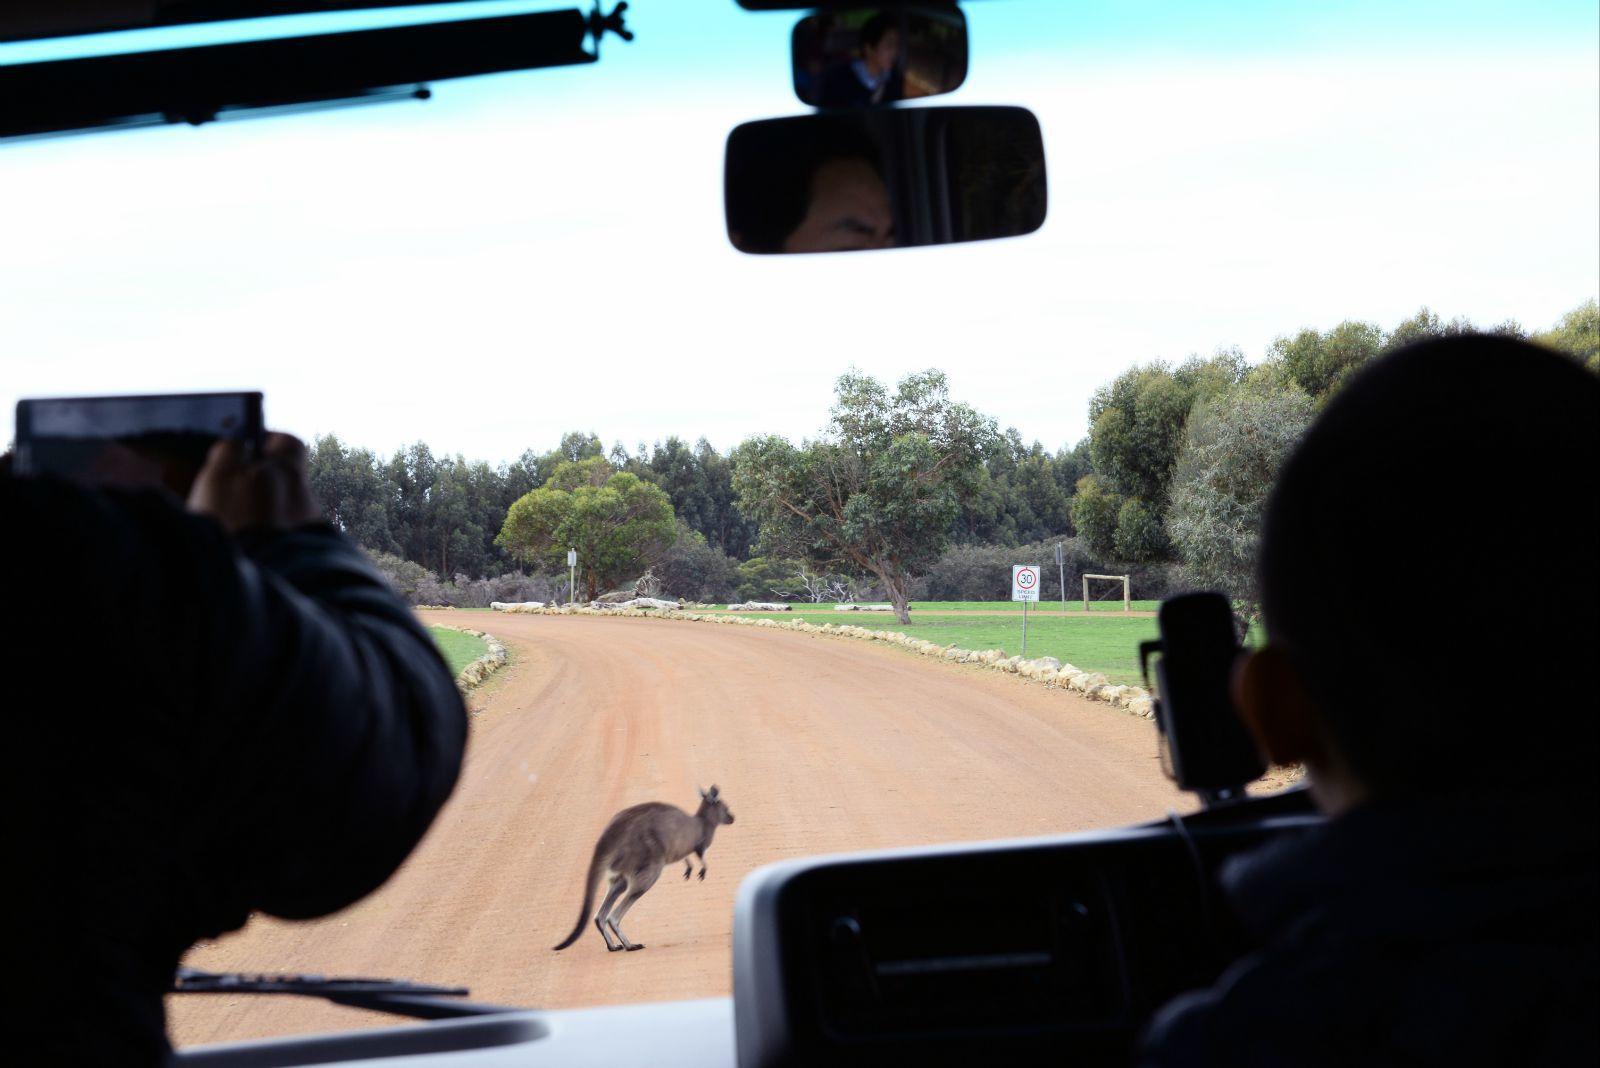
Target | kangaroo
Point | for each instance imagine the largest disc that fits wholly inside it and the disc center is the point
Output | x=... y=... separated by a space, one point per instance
x=636 y=846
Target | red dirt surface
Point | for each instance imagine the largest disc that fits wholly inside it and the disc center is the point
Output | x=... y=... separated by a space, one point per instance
x=818 y=745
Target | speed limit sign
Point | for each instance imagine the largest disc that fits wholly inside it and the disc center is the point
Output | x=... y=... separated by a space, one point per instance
x=1024 y=582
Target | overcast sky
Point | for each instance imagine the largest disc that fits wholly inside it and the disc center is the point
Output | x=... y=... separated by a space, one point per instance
x=532 y=253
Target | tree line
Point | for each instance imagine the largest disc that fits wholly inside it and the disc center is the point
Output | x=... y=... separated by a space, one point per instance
x=446 y=514
x=1183 y=456
x=902 y=494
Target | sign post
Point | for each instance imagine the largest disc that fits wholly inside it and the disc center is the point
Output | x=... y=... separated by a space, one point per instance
x=1025 y=588
x=1061 y=566
x=572 y=576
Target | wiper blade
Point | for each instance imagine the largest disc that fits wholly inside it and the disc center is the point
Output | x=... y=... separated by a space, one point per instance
x=397 y=996
x=196 y=981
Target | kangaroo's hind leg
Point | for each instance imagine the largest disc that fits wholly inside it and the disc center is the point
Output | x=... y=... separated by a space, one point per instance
x=618 y=884
x=637 y=885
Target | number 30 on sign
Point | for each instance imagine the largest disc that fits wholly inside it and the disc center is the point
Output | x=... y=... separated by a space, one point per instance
x=1024 y=582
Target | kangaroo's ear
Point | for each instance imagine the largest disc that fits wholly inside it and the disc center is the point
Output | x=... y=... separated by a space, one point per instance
x=712 y=793
x=702 y=792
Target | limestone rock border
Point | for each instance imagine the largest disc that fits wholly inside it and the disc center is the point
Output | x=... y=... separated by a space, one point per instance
x=493 y=659
x=1046 y=670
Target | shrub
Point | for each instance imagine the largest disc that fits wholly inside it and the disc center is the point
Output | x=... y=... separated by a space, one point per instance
x=1094 y=514
x=1235 y=447
x=768 y=578
x=417 y=585
x=695 y=570
x=404 y=576
x=1139 y=532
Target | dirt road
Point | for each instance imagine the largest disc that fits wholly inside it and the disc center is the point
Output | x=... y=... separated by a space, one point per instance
x=819 y=745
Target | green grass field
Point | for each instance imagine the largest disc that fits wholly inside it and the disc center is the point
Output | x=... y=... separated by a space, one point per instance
x=459 y=649
x=1109 y=645
x=1044 y=607
x=986 y=607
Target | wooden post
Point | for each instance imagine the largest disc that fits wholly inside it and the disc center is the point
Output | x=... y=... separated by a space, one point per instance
x=1127 y=591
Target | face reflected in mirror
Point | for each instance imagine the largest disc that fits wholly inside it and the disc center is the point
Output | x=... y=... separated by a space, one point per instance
x=859 y=58
x=880 y=48
x=884 y=178
x=847 y=209
x=812 y=188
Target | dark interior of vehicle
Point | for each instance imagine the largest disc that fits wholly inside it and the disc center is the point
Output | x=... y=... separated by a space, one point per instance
x=1018 y=952
x=1058 y=948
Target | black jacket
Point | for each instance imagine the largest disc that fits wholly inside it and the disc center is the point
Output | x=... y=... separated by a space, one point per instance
x=842 y=87
x=196 y=728
x=1450 y=933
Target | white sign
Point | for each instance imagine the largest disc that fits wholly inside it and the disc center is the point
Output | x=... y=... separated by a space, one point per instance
x=572 y=558
x=1024 y=582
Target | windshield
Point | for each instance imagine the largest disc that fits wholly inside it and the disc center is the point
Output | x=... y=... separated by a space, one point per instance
x=450 y=300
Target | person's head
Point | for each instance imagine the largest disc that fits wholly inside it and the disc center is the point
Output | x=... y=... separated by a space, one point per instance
x=817 y=188
x=879 y=42
x=1430 y=572
x=847 y=207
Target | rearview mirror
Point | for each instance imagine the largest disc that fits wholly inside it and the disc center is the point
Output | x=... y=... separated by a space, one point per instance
x=845 y=59
x=884 y=178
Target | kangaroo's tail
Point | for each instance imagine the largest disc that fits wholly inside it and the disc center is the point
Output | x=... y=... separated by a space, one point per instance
x=596 y=866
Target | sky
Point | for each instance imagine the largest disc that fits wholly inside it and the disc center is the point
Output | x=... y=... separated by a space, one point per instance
x=531 y=253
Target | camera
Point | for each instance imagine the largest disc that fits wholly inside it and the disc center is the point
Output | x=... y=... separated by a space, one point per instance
x=130 y=442
x=1206 y=748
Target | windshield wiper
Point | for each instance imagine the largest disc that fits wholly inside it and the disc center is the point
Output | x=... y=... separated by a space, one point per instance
x=395 y=996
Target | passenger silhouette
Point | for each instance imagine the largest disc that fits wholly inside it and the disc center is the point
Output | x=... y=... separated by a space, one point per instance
x=1445 y=914
x=874 y=75
x=209 y=711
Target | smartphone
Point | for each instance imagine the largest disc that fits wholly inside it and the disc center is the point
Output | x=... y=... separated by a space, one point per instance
x=1208 y=747
x=131 y=442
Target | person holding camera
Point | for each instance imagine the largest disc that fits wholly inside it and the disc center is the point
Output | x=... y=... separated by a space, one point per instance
x=213 y=709
x=1445 y=913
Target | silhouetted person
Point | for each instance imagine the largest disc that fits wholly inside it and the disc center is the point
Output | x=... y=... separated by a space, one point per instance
x=874 y=75
x=209 y=711
x=1446 y=914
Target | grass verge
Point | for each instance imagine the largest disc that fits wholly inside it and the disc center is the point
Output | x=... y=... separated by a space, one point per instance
x=459 y=649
